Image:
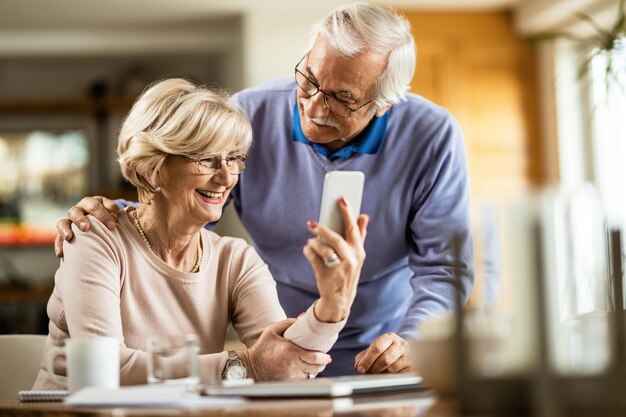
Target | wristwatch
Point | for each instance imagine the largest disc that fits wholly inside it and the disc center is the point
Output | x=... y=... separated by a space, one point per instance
x=234 y=368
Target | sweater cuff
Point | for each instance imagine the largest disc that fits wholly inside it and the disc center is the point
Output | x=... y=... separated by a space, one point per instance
x=211 y=367
x=310 y=333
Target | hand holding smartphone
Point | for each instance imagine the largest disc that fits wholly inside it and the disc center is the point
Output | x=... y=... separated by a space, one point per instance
x=337 y=184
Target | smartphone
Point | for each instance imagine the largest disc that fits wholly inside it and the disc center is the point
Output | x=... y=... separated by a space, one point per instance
x=337 y=184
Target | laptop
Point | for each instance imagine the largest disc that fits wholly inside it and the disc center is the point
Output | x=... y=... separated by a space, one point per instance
x=339 y=386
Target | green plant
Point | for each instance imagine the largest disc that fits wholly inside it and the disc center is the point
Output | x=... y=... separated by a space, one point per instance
x=611 y=43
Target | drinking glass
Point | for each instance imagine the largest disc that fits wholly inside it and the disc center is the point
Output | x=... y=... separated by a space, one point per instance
x=173 y=360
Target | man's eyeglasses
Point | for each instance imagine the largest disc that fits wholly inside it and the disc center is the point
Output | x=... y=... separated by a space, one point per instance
x=211 y=163
x=333 y=104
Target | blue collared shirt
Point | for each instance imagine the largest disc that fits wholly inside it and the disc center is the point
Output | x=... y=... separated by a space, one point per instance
x=366 y=142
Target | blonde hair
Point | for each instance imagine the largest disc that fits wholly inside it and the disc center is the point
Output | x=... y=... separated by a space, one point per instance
x=358 y=28
x=176 y=117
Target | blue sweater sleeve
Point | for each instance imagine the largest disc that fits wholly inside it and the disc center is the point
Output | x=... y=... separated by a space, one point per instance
x=440 y=216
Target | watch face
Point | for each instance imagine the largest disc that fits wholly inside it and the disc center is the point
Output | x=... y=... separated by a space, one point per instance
x=236 y=372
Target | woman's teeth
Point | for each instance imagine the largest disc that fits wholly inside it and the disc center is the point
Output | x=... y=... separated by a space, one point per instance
x=209 y=194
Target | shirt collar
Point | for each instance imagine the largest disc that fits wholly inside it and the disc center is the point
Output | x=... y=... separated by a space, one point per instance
x=368 y=141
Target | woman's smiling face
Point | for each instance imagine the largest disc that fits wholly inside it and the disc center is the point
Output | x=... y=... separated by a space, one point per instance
x=188 y=192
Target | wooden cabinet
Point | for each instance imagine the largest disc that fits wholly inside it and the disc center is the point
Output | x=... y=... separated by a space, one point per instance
x=478 y=68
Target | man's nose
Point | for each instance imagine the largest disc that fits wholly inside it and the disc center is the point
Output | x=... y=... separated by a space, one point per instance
x=317 y=106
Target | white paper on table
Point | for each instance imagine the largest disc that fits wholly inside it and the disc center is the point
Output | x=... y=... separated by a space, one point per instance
x=161 y=396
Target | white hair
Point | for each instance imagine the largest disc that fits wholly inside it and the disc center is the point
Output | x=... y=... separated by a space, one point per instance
x=360 y=28
x=177 y=117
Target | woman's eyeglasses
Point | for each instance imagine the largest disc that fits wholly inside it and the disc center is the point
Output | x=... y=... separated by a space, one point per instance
x=209 y=164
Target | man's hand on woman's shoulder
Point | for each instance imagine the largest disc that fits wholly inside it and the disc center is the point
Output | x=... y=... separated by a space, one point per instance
x=101 y=208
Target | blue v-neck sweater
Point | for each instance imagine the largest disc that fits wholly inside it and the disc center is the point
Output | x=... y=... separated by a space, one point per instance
x=416 y=192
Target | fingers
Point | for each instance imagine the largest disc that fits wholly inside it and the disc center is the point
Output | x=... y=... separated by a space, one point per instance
x=403 y=364
x=101 y=208
x=58 y=246
x=280 y=326
x=389 y=361
x=362 y=222
x=322 y=250
x=383 y=352
x=355 y=232
x=112 y=208
x=313 y=370
x=279 y=359
x=351 y=230
x=64 y=230
x=377 y=348
x=313 y=362
x=316 y=261
x=329 y=238
x=333 y=241
x=358 y=357
x=77 y=216
x=313 y=358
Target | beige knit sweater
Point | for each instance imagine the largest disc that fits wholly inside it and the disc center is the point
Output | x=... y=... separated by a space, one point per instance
x=110 y=284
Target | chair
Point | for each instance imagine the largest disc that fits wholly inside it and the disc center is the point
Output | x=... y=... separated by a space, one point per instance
x=20 y=361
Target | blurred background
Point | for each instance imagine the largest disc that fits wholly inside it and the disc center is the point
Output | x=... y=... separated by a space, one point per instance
x=536 y=110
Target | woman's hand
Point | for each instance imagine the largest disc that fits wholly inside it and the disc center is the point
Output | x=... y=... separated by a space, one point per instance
x=273 y=357
x=102 y=208
x=337 y=263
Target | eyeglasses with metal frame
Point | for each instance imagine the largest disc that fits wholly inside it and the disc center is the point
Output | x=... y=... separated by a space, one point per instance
x=210 y=163
x=333 y=103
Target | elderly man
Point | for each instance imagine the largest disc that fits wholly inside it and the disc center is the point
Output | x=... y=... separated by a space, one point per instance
x=347 y=109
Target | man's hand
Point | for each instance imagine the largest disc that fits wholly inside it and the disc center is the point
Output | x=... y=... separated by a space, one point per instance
x=387 y=354
x=273 y=357
x=102 y=208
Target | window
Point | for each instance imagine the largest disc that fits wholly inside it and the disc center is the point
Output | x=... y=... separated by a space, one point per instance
x=608 y=112
x=591 y=110
x=43 y=171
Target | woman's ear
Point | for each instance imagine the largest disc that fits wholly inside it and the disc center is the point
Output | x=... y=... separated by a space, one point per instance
x=155 y=180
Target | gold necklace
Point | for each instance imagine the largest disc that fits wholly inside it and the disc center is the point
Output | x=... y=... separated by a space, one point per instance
x=196 y=265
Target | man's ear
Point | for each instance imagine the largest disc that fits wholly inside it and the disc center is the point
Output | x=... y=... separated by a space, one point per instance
x=381 y=112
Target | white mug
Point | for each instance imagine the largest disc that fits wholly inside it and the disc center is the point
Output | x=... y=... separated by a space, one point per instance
x=93 y=362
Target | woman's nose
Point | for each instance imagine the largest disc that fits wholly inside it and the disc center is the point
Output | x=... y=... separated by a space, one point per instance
x=223 y=175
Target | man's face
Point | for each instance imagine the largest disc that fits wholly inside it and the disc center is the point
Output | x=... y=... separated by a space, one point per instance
x=352 y=80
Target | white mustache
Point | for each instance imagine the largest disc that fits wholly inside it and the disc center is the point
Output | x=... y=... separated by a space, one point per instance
x=323 y=121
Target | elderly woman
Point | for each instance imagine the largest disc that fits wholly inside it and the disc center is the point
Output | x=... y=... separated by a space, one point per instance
x=161 y=273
